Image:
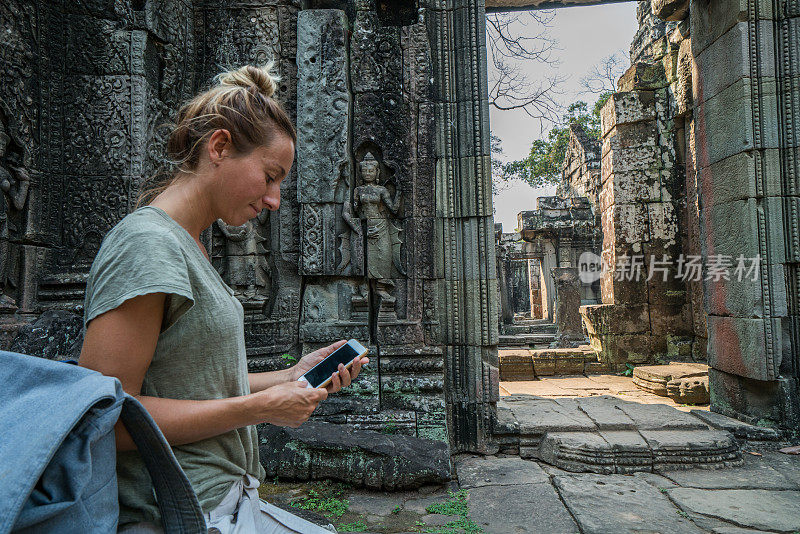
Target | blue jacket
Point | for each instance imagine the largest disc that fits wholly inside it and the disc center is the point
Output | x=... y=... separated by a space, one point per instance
x=58 y=452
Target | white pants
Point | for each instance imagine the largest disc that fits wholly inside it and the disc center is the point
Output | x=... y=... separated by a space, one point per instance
x=241 y=511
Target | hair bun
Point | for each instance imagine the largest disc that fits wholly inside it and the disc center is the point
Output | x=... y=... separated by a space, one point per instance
x=251 y=76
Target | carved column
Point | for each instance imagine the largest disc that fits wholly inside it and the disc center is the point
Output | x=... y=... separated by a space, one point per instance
x=464 y=209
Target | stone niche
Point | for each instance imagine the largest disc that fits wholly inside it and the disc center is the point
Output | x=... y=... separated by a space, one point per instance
x=558 y=233
x=513 y=276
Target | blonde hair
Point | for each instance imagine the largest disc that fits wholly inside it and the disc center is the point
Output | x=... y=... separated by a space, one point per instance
x=241 y=102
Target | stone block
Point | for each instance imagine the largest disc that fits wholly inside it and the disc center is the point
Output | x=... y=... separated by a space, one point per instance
x=740 y=430
x=379 y=461
x=507 y=509
x=678 y=449
x=605 y=414
x=673 y=10
x=728 y=58
x=625 y=160
x=769 y=403
x=726 y=121
x=765 y=510
x=642 y=76
x=660 y=418
x=627 y=108
x=577 y=452
x=711 y=19
x=638 y=134
x=631 y=348
x=733 y=178
x=516 y=365
x=738 y=346
x=630 y=450
x=604 y=319
x=654 y=378
x=324 y=103
x=478 y=472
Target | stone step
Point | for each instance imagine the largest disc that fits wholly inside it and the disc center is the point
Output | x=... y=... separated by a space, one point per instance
x=604 y=434
x=527 y=364
x=517 y=330
x=522 y=340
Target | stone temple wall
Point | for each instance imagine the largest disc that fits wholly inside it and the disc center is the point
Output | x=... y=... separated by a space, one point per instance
x=385 y=230
x=698 y=166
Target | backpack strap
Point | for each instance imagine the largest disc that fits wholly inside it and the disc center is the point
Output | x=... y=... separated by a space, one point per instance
x=180 y=510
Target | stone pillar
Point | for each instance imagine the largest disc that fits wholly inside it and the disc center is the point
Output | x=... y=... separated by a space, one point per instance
x=746 y=135
x=535 y=290
x=644 y=301
x=464 y=210
x=568 y=303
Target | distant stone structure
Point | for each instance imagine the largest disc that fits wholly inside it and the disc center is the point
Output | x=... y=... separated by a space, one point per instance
x=698 y=157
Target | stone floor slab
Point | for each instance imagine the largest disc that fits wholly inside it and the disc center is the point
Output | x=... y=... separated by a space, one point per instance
x=760 y=509
x=537 y=416
x=604 y=412
x=660 y=417
x=619 y=504
x=490 y=471
x=522 y=509
x=738 y=428
x=754 y=474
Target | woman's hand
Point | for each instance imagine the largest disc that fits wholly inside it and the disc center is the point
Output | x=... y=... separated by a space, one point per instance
x=342 y=378
x=288 y=404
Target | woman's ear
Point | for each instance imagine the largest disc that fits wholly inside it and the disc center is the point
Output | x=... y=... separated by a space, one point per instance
x=219 y=146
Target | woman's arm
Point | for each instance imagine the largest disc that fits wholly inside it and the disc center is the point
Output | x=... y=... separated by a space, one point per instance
x=121 y=343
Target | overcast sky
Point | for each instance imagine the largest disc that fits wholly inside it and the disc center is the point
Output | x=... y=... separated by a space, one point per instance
x=585 y=36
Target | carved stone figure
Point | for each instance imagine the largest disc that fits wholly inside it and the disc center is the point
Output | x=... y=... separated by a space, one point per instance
x=244 y=265
x=372 y=200
x=14 y=183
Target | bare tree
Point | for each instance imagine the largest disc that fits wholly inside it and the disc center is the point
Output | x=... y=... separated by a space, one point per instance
x=603 y=77
x=513 y=39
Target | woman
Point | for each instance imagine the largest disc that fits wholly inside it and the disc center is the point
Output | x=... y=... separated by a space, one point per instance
x=160 y=318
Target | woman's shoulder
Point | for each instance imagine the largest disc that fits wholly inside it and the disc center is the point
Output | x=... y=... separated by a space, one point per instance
x=143 y=222
x=145 y=230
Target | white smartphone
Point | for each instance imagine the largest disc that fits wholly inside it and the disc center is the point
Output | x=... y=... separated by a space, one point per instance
x=321 y=374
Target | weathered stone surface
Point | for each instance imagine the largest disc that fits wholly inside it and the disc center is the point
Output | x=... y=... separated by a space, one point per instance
x=689 y=390
x=361 y=457
x=682 y=450
x=636 y=506
x=323 y=158
x=605 y=413
x=754 y=474
x=568 y=302
x=670 y=9
x=767 y=509
x=738 y=428
x=536 y=416
x=654 y=378
x=56 y=335
x=491 y=471
x=659 y=417
x=524 y=508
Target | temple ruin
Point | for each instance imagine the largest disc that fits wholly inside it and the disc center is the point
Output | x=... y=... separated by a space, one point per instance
x=385 y=231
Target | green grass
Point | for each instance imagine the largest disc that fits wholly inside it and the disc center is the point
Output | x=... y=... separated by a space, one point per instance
x=355 y=526
x=456 y=506
x=331 y=506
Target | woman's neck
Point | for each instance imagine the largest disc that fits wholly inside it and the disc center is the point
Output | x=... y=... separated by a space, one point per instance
x=186 y=202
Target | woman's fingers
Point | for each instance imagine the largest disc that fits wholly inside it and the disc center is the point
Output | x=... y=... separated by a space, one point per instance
x=344 y=375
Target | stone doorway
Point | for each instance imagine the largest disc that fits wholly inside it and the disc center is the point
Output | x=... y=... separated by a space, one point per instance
x=706 y=319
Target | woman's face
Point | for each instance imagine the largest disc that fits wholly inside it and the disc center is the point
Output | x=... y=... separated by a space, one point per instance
x=253 y=182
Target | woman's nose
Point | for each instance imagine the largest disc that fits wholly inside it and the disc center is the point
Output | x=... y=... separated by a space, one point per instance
x=272 y=200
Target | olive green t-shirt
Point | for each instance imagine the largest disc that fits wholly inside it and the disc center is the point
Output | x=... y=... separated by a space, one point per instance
x=200 y=353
